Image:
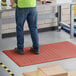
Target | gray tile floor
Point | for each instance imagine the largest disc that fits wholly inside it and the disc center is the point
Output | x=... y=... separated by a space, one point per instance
x=45 y=38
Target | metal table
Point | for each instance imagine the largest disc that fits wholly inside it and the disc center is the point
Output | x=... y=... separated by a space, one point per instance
x=59 y=21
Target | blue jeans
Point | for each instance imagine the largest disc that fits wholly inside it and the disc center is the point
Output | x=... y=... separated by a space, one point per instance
x=29 y=14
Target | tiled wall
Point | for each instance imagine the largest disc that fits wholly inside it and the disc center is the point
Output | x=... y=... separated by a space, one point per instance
x=8 y=19
x=66 y=14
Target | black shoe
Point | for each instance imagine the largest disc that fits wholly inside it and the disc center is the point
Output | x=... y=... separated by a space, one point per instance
x=34 y=51
x=19 y=52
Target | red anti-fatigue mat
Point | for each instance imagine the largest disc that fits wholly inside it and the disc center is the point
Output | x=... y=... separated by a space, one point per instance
x=48 y=53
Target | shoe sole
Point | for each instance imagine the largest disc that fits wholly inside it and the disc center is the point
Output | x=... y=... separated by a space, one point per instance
x=36 y=53
x=16 y=51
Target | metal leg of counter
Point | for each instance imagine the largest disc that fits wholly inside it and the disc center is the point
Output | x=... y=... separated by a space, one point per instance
x=71 y=21
x=0 y=31
x=59 y=17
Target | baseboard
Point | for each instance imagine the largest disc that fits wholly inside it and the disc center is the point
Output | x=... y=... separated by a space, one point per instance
x=13 y=34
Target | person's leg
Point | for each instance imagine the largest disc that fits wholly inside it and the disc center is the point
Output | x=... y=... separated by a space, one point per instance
x=21 y=15
x=32 y=23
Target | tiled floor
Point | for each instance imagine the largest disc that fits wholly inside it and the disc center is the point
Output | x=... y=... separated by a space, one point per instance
x=45 y=38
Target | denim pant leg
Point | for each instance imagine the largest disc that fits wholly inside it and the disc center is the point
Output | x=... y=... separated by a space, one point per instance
x=32 y=23
x=20 y=19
